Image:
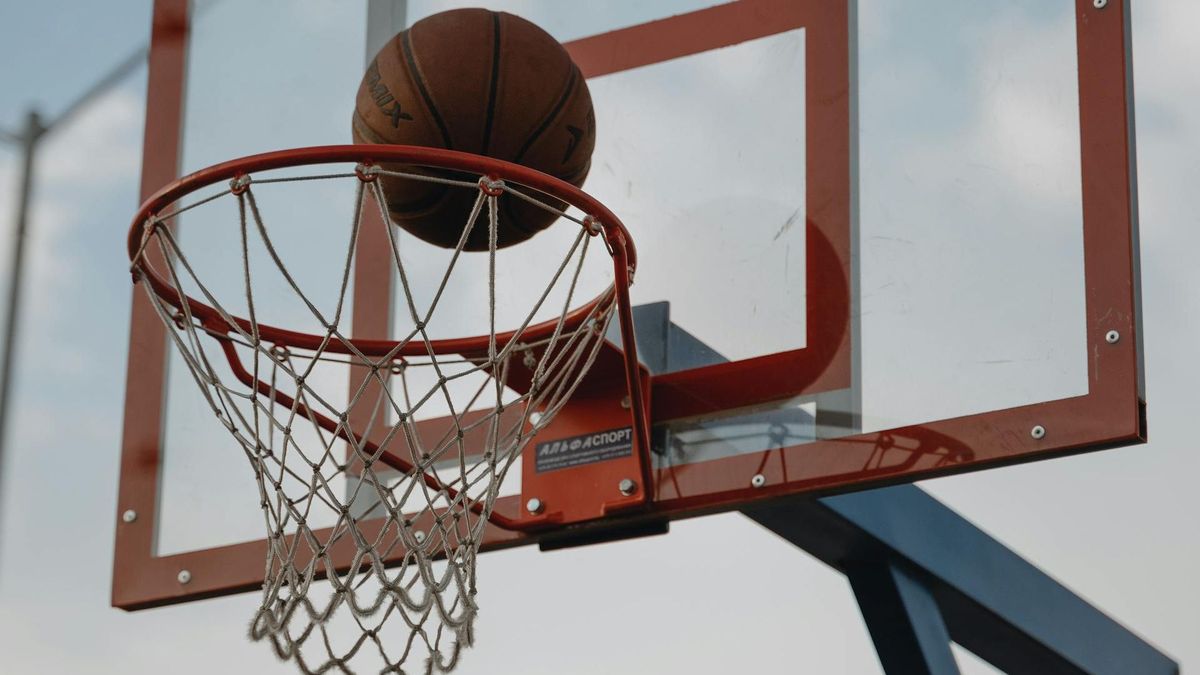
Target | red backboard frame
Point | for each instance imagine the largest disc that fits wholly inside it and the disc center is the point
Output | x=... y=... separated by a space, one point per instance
x=1110 y=414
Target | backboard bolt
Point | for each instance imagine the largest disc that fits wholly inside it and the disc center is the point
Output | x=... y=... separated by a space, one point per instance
x=419 y=536
x=626 y=403
x=1099 y=4
x=183 y=577
x=759 y=480
x=627 y=486
x=1112 y=337
x=1038 y=432
x=129 y=516
x=534 y=505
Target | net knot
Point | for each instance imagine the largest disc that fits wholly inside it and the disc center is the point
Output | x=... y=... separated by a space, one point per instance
x=239 y=184
x=592 y=225
x=366 y=172
x=150 y=228
x=491 y=186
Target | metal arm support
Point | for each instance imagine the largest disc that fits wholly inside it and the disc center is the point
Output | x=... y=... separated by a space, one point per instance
x=909 y=556
x=903 y=617
x=996 y=604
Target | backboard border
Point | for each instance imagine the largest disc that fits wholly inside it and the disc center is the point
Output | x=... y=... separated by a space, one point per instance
x=1110 y=414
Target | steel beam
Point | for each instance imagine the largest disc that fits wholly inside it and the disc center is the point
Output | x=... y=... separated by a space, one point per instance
x=904 y=620
x=995 y=604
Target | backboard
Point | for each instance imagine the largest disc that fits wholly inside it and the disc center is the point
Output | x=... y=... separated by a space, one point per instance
x=872 y=250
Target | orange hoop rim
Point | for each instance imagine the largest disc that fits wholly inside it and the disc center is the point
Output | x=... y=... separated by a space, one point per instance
x=619 y=243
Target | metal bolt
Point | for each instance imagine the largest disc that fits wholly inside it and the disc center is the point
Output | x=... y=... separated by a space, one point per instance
x=1099 y=4
x=626 y=403
x=419 y=536
x=1112 y=337
x=1038 y=432
x=627 y=486
x=759 y=480
x=534 y=505
x=129 y=516
x=535 y=417
x=184 y=576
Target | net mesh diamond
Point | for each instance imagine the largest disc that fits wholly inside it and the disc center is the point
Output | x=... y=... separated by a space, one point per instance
x=374 y=511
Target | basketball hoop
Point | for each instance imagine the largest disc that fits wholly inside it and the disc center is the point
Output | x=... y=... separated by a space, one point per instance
x=429 y=496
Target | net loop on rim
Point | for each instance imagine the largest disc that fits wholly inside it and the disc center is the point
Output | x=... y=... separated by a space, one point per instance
x=239 y=184
x=491 y=186
x=374 y=511
x=366 y=172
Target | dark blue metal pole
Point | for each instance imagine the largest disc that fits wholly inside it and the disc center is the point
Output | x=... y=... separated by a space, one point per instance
x=903 y=618
x=924 y=575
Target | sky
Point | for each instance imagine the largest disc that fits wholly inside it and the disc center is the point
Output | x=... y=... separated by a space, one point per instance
x=719 y=594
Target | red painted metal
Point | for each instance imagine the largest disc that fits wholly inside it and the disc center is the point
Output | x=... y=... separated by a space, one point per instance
x=1110 y=413
x=134 y=556
x=581 y=493
x=621 y=245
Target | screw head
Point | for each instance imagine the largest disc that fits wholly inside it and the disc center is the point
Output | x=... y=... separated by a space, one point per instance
x=1099 y=4
x=627 y=486
x=129 y=516
x=1038 y=432
x=626 y=402
x=534 y=505
x=759 y=480
x=1112 y=337
x=419 y=536
x=184 y=576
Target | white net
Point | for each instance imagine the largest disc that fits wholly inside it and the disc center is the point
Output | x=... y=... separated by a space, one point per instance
x=408 y=462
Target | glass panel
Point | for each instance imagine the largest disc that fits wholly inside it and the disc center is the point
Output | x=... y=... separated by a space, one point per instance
x=249 y=91
x=968 y=267
x=971 y=233
x=971 y=291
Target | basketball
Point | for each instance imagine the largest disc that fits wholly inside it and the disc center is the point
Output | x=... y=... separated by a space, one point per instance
x=484 y=82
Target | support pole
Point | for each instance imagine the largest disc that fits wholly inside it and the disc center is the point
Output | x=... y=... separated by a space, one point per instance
x=903 y=618
x=29 y=140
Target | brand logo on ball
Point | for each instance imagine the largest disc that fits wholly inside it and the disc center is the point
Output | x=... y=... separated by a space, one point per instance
x=382 y=96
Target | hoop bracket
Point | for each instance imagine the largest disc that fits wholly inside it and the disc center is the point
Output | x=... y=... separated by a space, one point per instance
x=590 y=461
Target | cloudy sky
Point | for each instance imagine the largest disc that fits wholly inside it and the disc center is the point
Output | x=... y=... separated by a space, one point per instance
x=718 y=594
